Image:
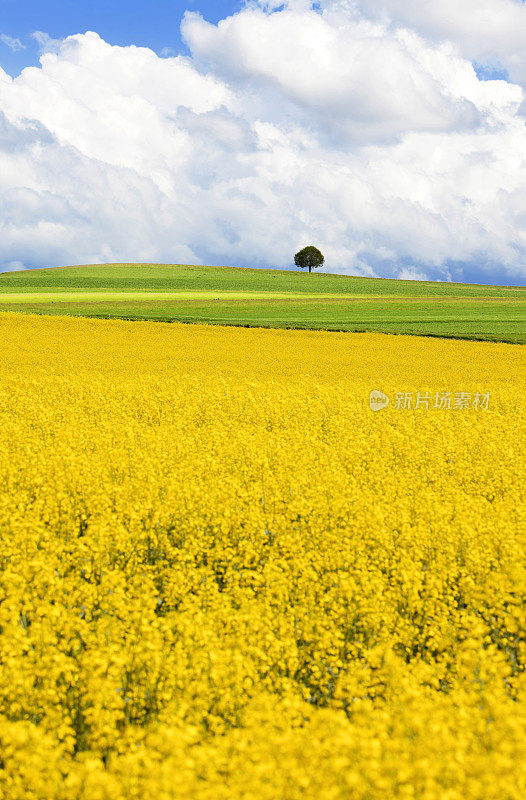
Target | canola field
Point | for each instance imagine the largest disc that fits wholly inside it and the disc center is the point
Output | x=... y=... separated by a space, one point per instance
x=223 y=577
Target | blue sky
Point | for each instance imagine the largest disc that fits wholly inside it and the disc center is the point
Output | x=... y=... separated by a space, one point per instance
x=390 y=133
x=154 y=24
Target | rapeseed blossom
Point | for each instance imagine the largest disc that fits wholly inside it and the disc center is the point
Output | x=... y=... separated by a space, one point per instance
x=223 y=576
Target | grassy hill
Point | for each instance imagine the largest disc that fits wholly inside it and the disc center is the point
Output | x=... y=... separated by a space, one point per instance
x=271 y=298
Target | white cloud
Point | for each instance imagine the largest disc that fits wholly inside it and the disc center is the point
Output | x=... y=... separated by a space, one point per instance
x=46 y=43
x=380 y=146
x=11 y=42
x=411 y=274
x=483 y=30
x=356 y=80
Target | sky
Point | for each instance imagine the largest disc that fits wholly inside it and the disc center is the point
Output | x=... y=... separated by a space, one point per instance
x=155 y=24
x=389 y=133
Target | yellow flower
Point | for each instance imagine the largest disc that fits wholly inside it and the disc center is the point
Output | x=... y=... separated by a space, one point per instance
x=223 y=577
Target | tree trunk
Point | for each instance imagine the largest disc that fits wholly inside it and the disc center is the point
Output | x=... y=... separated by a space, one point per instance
x=310 y=268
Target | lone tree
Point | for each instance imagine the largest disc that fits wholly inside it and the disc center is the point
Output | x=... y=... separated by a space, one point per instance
x=309 y=257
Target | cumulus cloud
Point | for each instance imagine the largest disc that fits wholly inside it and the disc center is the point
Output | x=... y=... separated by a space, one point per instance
x=357 y=81
x=483 y=30
x=285 y=125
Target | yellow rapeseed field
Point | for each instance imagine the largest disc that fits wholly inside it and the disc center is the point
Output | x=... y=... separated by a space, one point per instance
x=224 y=577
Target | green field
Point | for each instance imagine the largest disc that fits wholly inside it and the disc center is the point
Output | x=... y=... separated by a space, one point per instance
x=270 y=298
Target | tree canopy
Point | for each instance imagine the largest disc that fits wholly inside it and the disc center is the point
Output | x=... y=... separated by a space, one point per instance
x=309 y=257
